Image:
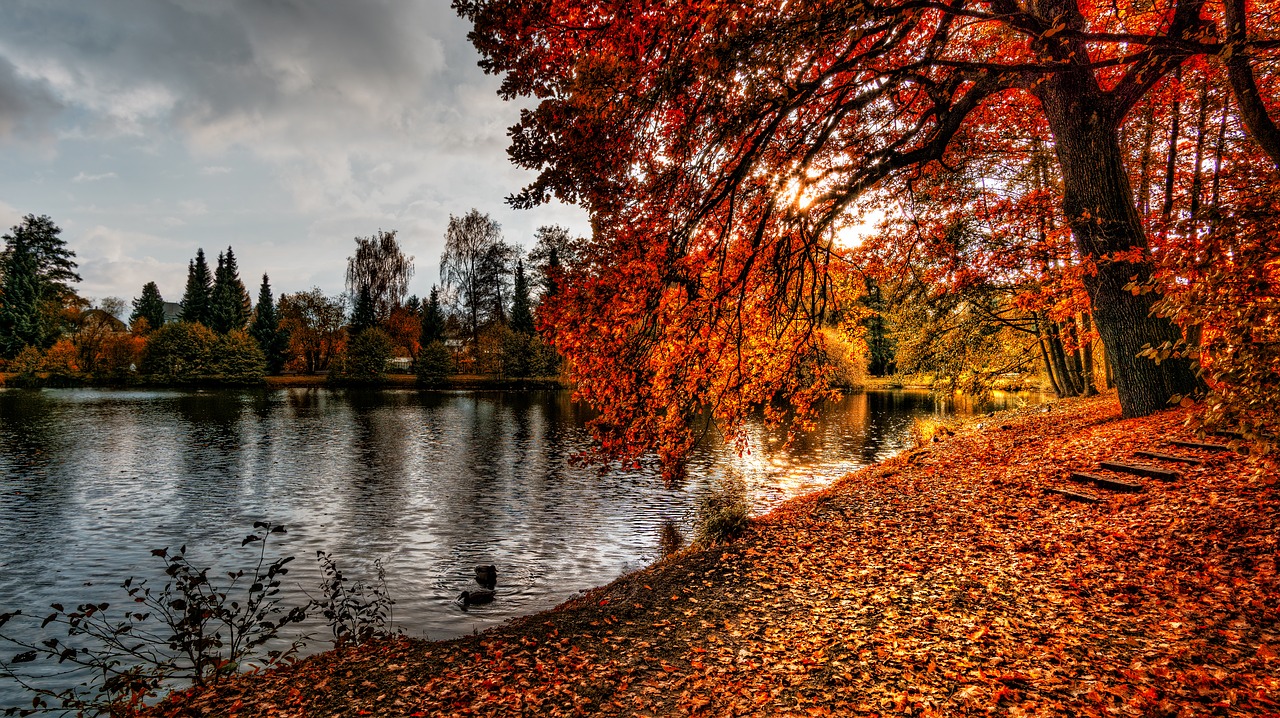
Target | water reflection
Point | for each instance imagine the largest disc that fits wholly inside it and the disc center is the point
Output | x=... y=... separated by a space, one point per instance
x=433 y=483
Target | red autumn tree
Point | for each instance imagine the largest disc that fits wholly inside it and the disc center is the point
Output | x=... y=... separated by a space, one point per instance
x=720 y=146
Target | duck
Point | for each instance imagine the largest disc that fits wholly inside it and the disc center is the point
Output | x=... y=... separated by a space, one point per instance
x=475 y=598
x=487 y=576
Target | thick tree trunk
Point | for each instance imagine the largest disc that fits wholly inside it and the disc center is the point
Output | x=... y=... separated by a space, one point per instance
x=1098 y=203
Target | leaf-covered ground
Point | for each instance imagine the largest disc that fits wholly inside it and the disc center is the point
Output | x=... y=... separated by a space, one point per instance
x=943 y=582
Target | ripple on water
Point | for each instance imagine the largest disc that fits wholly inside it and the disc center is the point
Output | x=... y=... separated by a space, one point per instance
x=432 y=484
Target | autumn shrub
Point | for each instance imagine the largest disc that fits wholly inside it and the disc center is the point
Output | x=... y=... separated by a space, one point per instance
x=61 y=362
x=846 y=357
x=356 y=611
x=1223 y=288
x=118 y=356
x=179 y=353
x=364 y=361
x=25 y=366
x=489 y=345
x=200 y=626
x=670 y=537
x=435 y=362
x=237 y=359
x=723 y=512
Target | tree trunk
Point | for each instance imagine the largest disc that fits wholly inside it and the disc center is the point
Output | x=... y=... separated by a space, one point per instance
x=1148 y=134
x=1098 y=203
x=1044 y=354
x=1090 y=386
x=1171 y=162
x=1197 y=181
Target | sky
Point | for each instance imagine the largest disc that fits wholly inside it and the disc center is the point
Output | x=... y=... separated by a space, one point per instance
x=282 y=128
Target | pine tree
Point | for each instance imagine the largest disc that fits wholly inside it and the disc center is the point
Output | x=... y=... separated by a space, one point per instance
x=199 y=291
x=229 y=301
x=432 y=319
x=266 y=329
x=521 y=308
x=149 y=306
x=37 y=270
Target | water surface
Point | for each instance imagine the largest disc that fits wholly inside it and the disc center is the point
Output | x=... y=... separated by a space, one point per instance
x=430 y=483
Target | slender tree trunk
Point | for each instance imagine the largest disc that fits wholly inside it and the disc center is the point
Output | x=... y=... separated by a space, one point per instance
x=1217 y=159
x=1197 y=184
x=1059 y=355
x=1098 y=203
x=1048 y=364
x=1090 y=385
x=1148 y=135
x=1171 y=162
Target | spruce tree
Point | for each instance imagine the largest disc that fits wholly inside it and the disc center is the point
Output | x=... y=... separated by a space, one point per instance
x=521 y=309
x=266 y=329
x=229 y=301
x=199 y=291
x=364 y=314
x=149 y=306
x=432 y=319
x=36 y=272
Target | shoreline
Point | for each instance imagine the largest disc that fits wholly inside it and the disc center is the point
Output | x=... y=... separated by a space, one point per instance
x=943 y=580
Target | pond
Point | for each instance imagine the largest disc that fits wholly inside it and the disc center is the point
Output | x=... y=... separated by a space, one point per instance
x=432 y=484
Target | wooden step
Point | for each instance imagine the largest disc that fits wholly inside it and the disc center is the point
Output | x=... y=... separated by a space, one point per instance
x=1074 y=496
x=1168 y=457
x=1199 y=445
x=1151 y=471
x=1104 y=482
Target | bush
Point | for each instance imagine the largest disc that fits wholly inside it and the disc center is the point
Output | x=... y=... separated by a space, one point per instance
x=118 y=356
x=180 y=353
x=237 y=359
x=435 y=362
x=722 y=514
x=670 y=537
x=194 y=628
x=364 y=361
x=356 y=611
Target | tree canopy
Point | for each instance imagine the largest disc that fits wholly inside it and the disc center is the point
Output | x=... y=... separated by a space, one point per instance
x=723 y=149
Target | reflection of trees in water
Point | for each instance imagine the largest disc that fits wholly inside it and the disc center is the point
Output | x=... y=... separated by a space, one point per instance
x=37 y=496
x=380 y=437
x=210 y=454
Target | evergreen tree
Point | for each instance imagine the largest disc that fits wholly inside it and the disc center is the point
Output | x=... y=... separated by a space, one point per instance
x=266 y=330
x=36 y=272
x=229 y=301
x=199 y=291
x=364 y=313
x=521 y=308
x=149 y=306
x=432 y=319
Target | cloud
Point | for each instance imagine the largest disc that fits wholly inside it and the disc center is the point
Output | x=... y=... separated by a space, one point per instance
x=27 y=105
x=360 y=114
x=84 y=177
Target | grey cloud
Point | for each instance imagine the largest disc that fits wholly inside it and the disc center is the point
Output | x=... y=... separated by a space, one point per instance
x=26 y=106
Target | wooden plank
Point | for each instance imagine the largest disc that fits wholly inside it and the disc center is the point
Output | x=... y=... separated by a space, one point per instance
x=1151 y=471
x=1105 y=482
x=1199 y=445
x=1074 y=496
x=1169 y=457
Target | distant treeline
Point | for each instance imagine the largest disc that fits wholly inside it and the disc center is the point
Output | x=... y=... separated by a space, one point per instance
x=480 y=319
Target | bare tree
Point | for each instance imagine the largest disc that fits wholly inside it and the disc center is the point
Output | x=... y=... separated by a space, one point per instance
x=472 y=253
x=382 y=270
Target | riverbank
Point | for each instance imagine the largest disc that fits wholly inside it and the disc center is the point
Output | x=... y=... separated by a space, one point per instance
x=940 y=582
x=390 y=381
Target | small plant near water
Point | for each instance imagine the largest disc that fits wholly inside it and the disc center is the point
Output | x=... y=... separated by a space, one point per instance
x=194 y=629
x=722 y=514
x=670 y=537
x=356 y=611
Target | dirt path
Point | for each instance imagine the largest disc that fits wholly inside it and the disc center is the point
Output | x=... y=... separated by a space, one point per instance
x=944 y=582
